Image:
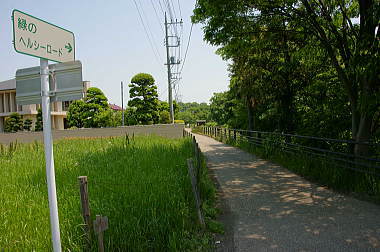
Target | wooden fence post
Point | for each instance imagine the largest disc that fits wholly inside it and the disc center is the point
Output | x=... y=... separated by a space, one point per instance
x=235 y=135
x=100 y=225
x=83 y=187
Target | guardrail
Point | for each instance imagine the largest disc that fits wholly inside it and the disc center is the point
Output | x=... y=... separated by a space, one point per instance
x=338 y=152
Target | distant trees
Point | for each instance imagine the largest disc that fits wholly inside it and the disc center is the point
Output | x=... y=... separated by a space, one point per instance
x=192 y=111
x=144 y=97
x=143 y=108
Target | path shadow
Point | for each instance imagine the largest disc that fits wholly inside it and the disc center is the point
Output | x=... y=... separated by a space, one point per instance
x=275 y=209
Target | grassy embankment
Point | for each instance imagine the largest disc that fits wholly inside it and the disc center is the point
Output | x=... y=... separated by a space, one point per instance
x=141 y=184
x=320 y=170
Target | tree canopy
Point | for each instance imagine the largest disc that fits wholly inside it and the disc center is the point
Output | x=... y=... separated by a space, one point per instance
x=93 y=112
x=144 y=97
x=301 y=63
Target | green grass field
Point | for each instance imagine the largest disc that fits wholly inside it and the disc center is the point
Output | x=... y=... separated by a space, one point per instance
x=142 y=185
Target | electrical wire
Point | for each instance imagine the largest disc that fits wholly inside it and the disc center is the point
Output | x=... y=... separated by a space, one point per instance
x=162 y=9
x=150 y=31
x=187 y=47
x=159 y=21
x=172 y=6
x=179 y=8
x=146 y=33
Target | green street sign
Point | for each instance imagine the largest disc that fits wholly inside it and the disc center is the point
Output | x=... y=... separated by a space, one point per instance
x=35 y=37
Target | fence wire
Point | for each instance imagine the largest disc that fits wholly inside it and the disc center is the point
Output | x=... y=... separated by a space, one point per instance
x=338 y=152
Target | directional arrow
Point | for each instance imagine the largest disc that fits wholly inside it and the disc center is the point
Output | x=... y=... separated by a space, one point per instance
x=69 y=47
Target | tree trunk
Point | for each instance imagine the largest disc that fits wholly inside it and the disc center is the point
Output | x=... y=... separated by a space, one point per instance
x=250 y=114
x=363 y=135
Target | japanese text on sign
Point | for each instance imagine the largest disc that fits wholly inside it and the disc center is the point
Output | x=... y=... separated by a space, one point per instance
x=38 y=38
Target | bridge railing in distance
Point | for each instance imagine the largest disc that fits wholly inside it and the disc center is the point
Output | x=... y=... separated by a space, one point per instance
x=337 y=152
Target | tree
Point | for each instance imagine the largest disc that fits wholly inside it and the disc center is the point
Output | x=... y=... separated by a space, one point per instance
x=164 y=106
x=144 y=98
x=276 y=36
x=28 y=124
x=75 y=114
x=165 y=117
x=39 y=122
x=130 y=116
x=93 y=112
x=13 y=123
x=96 y=96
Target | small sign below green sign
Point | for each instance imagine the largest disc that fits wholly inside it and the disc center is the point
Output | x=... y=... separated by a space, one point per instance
x=35 y=37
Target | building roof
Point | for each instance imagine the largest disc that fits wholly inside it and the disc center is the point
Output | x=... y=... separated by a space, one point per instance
x=115 y=107
x=7 y=85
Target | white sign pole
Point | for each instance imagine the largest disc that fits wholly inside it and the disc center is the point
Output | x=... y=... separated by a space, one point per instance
x=49 y=158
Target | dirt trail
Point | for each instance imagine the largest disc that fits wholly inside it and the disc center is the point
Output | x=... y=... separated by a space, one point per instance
x=268 y=208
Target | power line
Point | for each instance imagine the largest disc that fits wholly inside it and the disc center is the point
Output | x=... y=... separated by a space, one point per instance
x=159 y=21
x=150 y=31
x=162 y=9
x=172 y=17
x=169 y=10
x=187 y=47
x=180 y=11
x=146 y=33
x=172 y=5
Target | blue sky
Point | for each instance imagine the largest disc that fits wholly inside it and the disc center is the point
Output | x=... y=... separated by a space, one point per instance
x=112 y=45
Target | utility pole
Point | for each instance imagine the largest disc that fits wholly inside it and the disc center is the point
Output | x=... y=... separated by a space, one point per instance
x=122 y=105
x=170 y=60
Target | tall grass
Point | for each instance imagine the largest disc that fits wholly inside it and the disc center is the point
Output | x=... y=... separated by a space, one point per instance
x=141 y=184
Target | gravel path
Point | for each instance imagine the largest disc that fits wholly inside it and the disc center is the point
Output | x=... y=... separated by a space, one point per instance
x=268 y=208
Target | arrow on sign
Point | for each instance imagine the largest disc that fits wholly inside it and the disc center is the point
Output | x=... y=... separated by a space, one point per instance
x=68 y=47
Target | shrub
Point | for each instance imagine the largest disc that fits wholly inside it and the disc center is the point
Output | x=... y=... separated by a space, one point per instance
x=165 y=117
x=13 y=123
x=28 y=124
x=39 y=124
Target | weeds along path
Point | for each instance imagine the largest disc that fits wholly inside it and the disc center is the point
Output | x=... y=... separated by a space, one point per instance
x=267 y=207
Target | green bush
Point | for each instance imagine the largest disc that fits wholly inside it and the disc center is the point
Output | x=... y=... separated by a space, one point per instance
x=28 y=124
x=13 y=123
x=39 y=123
x=165 y=117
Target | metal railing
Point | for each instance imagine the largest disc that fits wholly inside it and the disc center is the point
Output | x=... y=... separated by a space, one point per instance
x=336 y=151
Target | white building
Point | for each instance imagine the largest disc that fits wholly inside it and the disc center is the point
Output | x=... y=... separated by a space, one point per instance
x=8 y=106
